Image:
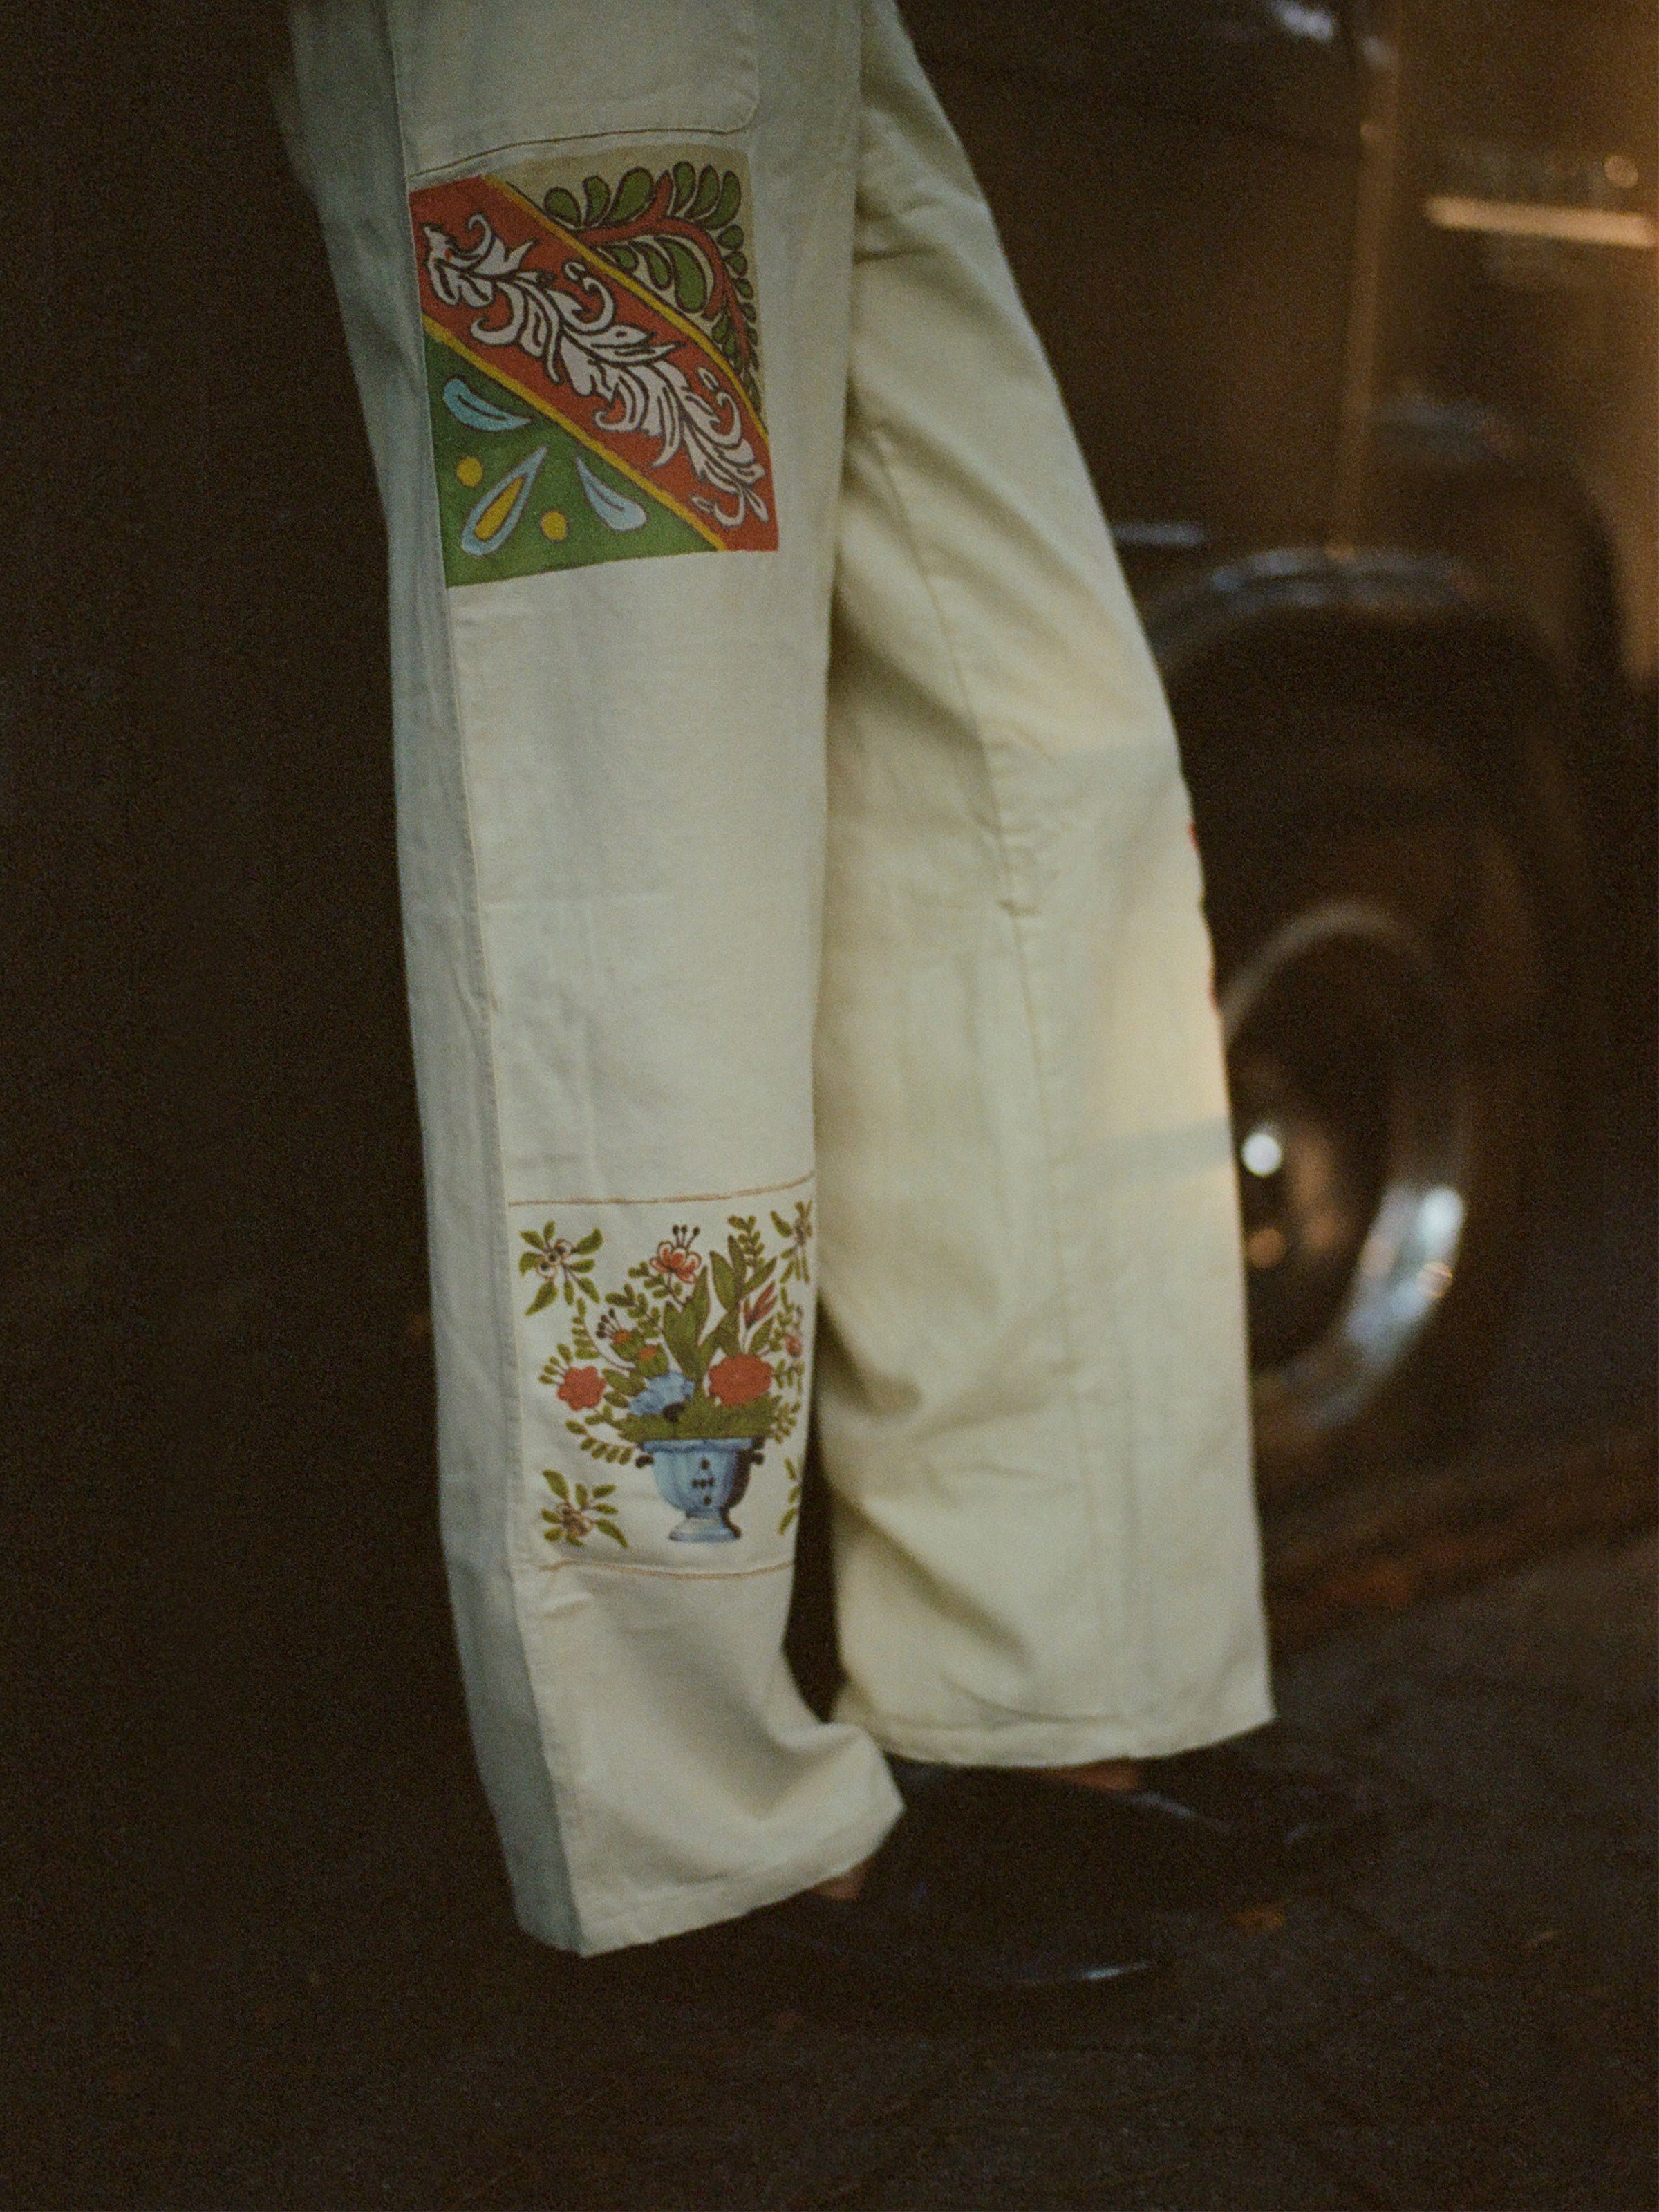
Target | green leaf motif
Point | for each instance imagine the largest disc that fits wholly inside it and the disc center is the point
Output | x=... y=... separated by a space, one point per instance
x=680 y=1333
x=632 y=193
x=544 y=1297
x=690 y=283
x=561 y=206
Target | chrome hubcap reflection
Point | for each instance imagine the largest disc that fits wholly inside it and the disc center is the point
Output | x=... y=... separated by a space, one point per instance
x=1351 y=1123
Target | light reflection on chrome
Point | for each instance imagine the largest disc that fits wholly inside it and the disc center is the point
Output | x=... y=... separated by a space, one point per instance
x=1408 y=1257
x=1262 y=1153
x=1405 y=1268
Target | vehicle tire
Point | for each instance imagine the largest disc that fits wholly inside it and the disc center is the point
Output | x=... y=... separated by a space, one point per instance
x=1378 y=926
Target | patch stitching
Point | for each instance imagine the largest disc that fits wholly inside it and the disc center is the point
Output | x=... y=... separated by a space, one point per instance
x=676 y=1197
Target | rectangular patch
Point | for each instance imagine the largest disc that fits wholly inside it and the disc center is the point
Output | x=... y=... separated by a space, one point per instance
x=665 y=1349
x=593 y=364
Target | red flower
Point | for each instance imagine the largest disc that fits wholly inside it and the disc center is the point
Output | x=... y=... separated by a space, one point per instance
x=582 y=1387
x=676 y=1260
x=792 y=1344
x=738 y=1378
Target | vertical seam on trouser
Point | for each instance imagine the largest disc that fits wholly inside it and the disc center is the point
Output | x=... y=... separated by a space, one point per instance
x=875 y=435
x=566 y=1799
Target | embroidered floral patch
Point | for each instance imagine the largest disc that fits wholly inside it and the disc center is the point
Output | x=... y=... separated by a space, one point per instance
x=592 y=346
x=688 y=1367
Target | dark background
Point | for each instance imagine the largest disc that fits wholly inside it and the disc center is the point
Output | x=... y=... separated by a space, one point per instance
x=219 y=1513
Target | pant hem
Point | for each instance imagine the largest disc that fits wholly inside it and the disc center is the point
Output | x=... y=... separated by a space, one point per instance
x=1017 y=1741
x=679 y=1910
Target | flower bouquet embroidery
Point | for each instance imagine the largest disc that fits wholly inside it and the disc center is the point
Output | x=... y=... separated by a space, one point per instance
x=691 y=1366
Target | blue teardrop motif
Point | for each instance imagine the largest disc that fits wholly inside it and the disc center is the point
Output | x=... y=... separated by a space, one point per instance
x=501 y=507
x=613 y=508
x=465 y=404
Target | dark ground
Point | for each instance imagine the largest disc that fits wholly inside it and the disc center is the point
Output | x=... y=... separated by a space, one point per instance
x=313 y=1995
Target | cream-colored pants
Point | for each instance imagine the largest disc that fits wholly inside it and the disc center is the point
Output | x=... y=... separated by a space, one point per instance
x=803 y=930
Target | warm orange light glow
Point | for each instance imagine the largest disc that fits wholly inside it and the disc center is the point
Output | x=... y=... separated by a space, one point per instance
x=1526 y=219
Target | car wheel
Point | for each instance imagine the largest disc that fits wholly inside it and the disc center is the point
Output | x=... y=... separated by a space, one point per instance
x=1380 y=988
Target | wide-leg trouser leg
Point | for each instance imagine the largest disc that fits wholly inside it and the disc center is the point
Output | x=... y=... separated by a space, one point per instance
x=610 y=795
x=598 y=268
x=1032 y=1394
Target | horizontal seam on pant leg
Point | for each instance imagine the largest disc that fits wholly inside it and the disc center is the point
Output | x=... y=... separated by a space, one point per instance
x=1103 y=1739
x=674 y=1574
x=677 y=1198
x=447 y=171
x=885 y=1725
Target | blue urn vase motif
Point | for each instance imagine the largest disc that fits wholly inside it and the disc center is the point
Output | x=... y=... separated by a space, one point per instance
x=704 y=1477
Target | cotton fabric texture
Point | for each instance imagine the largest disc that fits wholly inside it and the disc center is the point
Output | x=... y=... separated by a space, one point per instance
x=805 y=956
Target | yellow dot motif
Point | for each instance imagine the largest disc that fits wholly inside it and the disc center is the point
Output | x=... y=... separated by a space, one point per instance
x=554 y=524
x=471 y=470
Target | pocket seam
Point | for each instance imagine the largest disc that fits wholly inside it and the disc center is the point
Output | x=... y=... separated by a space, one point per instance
x=441 y=172
x=505 y=132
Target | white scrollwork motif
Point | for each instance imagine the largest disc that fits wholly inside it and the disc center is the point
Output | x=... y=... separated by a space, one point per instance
x=580 y=340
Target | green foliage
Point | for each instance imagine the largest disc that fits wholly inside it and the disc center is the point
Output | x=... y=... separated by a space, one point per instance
x=690 y=278
x=682 y=1330
x=565 y=1268
x=682 y=242
x=632 y=191
x=580 y=1512
x=792 y=1468
x=797 y=1236
x=702 y=1420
